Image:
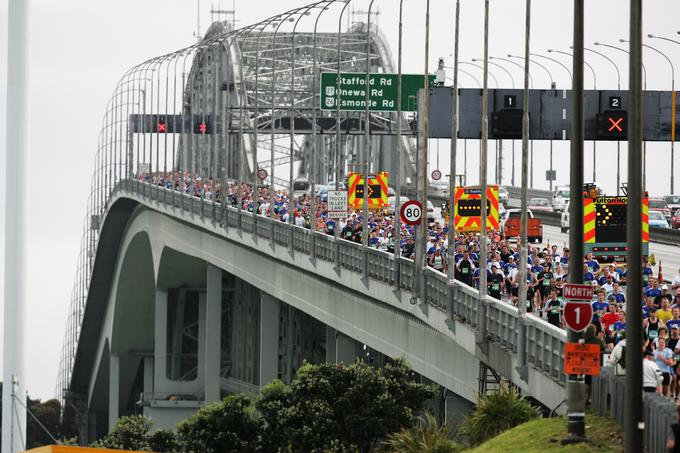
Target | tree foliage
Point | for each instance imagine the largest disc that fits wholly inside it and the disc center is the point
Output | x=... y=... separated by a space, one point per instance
x=134 y=433
x=227 y=426
x=338 y=407
x=496 y=412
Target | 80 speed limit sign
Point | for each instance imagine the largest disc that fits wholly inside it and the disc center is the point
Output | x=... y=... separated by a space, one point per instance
x=411 y=212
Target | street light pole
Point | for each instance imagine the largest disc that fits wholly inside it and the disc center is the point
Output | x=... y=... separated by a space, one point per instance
x=452 y=165
x=633 y=418
x=594 y=88
x=672 y=104
x=575 y=383
x=618 y=142
x=552 y=85
x=531 y=84
x=483 y=290
x=644 y=143
x=522 y=300
x=499 y=149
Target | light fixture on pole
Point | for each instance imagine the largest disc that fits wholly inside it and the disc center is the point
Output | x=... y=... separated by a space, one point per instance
x=673 y=95
x=592 y=71
x=644 y=84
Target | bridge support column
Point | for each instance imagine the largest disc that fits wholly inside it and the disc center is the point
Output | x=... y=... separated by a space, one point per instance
x=270 y=309
x=114 y=389
x=213 y=334
x=160 y=336
x=346 y=349
x=148 y=378
x=331 y=350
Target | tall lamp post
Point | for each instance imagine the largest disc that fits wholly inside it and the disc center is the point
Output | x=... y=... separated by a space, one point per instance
x=618 y=142
x=495 y=81
x=479 y=84
x=594 y=88
x=644 y=143
x=672 y=103
x=499 y=155
x=531 y=83
x=552 y=85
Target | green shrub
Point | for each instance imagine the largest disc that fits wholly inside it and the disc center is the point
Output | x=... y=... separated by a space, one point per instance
x=226 y=426
x=134 y=433
x=427 y=438
x=496 y=412
x=340 y=408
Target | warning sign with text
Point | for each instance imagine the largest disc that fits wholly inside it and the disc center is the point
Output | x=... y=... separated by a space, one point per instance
x=581 y=358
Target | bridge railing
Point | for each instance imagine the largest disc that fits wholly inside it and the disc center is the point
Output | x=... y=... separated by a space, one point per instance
x=545 y=342
x=608 y=397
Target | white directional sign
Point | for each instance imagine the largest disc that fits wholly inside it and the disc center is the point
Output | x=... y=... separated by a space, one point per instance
x=337 y=204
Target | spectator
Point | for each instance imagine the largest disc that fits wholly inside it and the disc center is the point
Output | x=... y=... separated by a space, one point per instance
x=651 y=375
x=618 y=357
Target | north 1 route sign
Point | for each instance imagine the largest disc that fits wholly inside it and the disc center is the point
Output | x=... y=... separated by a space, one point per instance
x=578 y=311
x=382 y=91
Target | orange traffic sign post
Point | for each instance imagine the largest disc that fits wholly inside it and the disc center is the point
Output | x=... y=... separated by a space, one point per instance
x=581 y=358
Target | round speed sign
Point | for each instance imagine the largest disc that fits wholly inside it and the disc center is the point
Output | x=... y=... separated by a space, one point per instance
x=262 y=174
x=411 y=212
x=436 y=175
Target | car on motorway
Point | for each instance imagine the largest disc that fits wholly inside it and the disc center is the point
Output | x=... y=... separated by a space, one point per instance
x=430 y=212
x=560 y=198
x=389 y=210
x=675 y=220
x=503 y=196
x=564 y=219
x=510 y=225
x=659 y=204
x=540 y=204
x=439 y=188
x=301 y=186
x=658 y=219
x=673 y=202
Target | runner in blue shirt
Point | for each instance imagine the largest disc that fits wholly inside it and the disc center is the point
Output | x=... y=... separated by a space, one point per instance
x=599 y=307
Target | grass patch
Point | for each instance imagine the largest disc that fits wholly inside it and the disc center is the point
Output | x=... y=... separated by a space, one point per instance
x=545 y=434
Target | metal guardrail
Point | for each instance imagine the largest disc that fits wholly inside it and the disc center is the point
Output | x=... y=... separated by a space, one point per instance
x=608 y=396
x=545 y=343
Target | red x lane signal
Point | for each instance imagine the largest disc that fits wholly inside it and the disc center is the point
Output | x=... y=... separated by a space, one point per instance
x=203 y=128
x=161 y=127
x=614 y=125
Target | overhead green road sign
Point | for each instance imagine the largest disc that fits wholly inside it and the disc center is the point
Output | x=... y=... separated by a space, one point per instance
x=382 y=91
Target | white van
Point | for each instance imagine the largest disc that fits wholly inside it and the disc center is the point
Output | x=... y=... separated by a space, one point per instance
x=560 y=198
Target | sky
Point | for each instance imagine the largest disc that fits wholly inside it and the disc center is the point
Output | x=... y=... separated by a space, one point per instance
x=80 y=49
